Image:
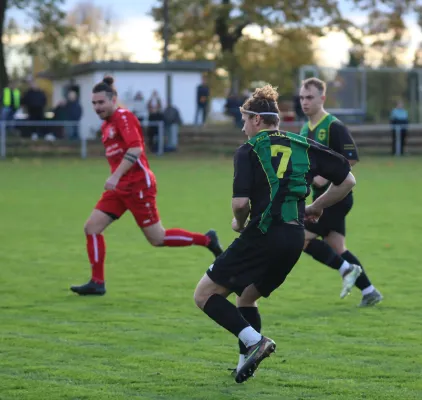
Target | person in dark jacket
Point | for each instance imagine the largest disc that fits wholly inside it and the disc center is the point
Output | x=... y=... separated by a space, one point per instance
x=172 y=121
x=73 y=111
x=34 y=100
x=202 y=99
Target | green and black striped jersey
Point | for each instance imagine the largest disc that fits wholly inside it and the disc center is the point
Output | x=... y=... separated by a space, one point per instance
x=332 y=133
x=274 y=169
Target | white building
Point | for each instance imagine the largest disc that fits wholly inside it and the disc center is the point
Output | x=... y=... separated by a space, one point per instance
x=129 y=79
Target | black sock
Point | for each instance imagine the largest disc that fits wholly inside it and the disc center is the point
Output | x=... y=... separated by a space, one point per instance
x=251 y=314
x=322 y=252
x=363 y=281
x=225 y=314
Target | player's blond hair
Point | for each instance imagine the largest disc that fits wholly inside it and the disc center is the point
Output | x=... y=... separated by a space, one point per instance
x=318 y=83
x=263 y=100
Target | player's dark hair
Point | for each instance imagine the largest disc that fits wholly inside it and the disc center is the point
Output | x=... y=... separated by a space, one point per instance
x=318 y=83
x=263 y=100
x=107 y=86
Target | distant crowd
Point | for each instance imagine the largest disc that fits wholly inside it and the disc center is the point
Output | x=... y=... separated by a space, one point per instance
x=31 y=105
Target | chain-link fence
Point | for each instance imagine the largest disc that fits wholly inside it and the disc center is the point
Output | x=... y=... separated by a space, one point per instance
x=366 y=94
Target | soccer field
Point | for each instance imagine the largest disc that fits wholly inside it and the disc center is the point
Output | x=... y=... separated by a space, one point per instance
x=146 y=339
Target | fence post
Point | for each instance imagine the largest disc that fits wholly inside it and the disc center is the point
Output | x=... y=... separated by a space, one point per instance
x=160 y=147
x=84 y=149
x=397 y=133
x=2 y=139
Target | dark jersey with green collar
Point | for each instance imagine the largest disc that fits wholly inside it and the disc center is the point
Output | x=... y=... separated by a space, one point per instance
x=331 y=132
x=274 y=169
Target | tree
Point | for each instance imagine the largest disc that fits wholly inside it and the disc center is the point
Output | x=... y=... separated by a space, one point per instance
x=356 y=56
x=52 y=38
x=95 y=34
x=213 y=29
x=417 y=60
x=43 y=12
x=3 y=72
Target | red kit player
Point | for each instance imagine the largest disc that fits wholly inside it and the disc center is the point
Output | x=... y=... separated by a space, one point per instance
x=131 y=186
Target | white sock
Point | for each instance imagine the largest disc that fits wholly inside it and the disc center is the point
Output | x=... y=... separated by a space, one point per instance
x=344 y=267
x=241 y=361
x=367 y=290
x=249 y=336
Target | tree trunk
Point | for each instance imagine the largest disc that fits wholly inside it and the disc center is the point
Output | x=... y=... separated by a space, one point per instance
x=228 y=39
x=3 y=72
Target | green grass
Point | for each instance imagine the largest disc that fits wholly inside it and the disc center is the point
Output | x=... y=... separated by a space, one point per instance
x=145 y=339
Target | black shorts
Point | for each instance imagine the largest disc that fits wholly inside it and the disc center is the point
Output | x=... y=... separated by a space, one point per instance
x=262 y=259
x=333 y=218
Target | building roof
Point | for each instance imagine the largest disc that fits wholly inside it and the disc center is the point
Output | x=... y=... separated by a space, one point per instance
x=112 y=66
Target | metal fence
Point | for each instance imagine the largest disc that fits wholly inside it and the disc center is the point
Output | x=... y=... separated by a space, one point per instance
x=369 y=94
x=59 y=131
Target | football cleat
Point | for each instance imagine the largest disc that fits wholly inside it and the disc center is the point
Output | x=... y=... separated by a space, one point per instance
x=214 y=244
x=256 y=354
x=90 y=288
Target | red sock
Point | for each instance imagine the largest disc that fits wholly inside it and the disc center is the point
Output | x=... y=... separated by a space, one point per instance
x=96 y=247
x=179 y=237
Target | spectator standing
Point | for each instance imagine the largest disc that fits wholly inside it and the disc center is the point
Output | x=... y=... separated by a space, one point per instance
x=399 y=119
x=140 y=107
x=73 y=112
x=202 y=100
x=172 y=122
x=11 y=101
x=155 y=111
x=34 y=100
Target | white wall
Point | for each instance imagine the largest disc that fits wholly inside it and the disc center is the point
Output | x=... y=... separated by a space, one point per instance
x=184 y=94
x=183 y=88
x=127 y=84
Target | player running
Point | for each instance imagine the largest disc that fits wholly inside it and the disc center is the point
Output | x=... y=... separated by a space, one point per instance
x=131 y=186
x=331 y=251
x=273 y=173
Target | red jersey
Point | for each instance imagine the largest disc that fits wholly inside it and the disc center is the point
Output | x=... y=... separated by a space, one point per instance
x=120 y=132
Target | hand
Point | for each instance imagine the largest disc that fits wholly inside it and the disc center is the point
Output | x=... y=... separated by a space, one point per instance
x=111 y=182
x=312 y=213
x=236 y=227
x=319 y=181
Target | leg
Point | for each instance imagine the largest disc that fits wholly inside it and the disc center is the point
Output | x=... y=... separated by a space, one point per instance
x=142 y=204
x=248 y=307
x=393 y=142
x=369 y=292
x=167 y=135
x=109 y=208
x=211 y=298
x=333 y=222
x=242 y=264
x=403 y=139
x=96 y=249
x=319 y=250
x=174 y=136
x=176 y=237
x=204 y=114
x=197 y=115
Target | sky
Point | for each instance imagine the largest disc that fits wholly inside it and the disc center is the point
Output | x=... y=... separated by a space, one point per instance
x=136 y=30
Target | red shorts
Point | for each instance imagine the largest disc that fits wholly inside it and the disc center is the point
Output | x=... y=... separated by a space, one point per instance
x=140 y=201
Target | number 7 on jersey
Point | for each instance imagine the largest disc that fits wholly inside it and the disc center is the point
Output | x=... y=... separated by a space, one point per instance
x=285 y=152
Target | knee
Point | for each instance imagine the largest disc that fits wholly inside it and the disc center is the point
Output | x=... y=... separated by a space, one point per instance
x=245 y=302
x=338 y=248
x=156 y=237
x=156 y=242
x=305 y=244
x=200 y=298
x=89 y=228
